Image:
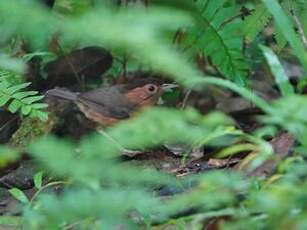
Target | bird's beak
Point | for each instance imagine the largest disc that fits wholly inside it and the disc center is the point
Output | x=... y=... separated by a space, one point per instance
x=168 y=87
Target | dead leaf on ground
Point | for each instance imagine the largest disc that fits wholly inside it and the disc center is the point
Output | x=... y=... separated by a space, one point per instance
x=281 y=144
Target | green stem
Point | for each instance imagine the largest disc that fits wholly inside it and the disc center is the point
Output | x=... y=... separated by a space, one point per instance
x=258 y=101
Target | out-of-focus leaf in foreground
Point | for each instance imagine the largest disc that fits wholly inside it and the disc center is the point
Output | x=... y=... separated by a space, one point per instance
x=131 y=29
x=162 y=125
x=290 y=113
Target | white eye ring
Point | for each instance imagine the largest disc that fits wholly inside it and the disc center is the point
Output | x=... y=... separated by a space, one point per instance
x=151 y=88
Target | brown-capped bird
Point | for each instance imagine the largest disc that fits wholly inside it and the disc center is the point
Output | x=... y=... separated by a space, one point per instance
x=109 y=105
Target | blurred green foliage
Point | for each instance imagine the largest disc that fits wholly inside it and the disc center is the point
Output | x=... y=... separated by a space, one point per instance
x=104 y=193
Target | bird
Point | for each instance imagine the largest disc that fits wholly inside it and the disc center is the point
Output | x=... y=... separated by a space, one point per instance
x=109 y=105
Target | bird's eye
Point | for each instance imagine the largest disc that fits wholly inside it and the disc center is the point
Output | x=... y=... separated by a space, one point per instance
x=151 y=88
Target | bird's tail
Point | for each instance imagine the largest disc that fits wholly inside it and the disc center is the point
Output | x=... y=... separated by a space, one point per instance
x=63 y=94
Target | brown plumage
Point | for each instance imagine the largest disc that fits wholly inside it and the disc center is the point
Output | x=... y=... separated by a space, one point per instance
x=109 y=105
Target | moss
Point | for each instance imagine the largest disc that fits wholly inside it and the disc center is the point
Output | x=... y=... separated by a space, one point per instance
x=31 y=128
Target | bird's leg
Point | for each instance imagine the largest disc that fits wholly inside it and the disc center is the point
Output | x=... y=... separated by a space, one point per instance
x=124 y=151
x=111 y=139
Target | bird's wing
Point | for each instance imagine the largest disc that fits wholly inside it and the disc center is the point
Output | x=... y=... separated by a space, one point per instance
x=106 y=102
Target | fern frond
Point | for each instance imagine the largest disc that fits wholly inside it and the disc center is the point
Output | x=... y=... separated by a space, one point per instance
x=255 y=23
x=219 y=40
x=16 y=98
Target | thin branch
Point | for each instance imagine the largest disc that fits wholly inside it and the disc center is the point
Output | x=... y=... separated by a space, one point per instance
x=185 y=99
x=76 y=75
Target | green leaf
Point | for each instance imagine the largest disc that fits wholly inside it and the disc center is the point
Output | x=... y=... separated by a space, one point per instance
x=219 y=40
x=14 y=106
x=23 y=102
x=39 y=106
x=74 y=7
x=290 y=112
x=7 y=155
x=280 y=39
x=39 y=114
x=31 y=99
x=26 y=109
x=10 y=220
x=21 y=95
x=16 y=88
x=4 y=99
x=278 y=71
x=178 y=4
x=38 y=180
x=19 y=195
x=286 y=27
x=256 y=22
x=14 y=64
